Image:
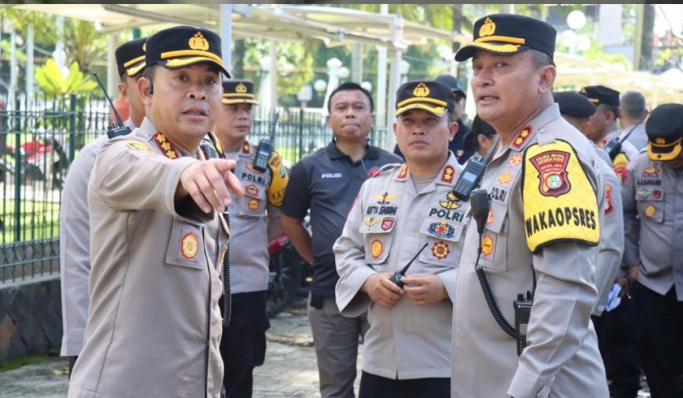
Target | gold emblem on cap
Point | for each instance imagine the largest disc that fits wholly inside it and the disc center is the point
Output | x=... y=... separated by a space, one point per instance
x=241 y=88
x=488 y=28
x=198 y=42
x=421 y=90
x=660 y=140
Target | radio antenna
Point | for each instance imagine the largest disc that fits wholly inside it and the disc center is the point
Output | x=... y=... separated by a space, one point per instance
x=116 y=114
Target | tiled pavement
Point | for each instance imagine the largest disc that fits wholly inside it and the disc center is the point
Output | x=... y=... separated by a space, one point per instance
x=290 y=369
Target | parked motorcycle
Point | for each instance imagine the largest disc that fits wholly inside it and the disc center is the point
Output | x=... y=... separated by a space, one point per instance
x=43 y=160
x=289 y=277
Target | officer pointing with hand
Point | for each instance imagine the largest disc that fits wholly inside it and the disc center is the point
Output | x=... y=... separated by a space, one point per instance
x=158 y=241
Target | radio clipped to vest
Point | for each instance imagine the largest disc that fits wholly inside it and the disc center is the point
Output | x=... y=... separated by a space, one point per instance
x=265 y=148
x=118 y=128
x=471 y=176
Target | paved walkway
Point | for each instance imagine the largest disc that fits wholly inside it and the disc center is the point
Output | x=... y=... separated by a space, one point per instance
x=290 y=369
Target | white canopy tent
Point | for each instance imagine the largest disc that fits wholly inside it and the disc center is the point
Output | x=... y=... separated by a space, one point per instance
x=276 y=22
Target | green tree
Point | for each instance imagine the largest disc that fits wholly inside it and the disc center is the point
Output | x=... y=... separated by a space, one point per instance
x=55 y=84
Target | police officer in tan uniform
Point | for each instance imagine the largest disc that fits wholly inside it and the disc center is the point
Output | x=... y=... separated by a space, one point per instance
x=74 y=233
x=254 y=218
x=407 y=210
x=653 y=194
x=157 y=240
x=546 y=192
x=614 y=320
x=602 y=127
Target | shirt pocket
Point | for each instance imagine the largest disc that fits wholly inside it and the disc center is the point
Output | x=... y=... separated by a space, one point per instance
x=650 y=202
x=253 y=203
x=377 y=238
x=186 y=246
x=442 y=239
x=494 y=241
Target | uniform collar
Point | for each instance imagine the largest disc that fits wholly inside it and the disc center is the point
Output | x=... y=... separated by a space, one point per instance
x=334 y=153
x=534 y=127
x=447 y=175
x=148 y=127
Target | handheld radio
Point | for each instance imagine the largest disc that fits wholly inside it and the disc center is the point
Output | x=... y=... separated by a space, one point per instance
x=117 y=128
x=612 y=148
x=396 y=277
x=470 y=177
x=265 y=148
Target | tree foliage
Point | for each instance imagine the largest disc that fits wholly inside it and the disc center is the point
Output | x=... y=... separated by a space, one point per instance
x=51 y=80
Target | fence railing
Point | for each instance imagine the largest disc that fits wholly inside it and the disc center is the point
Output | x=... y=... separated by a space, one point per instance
x=39 y=142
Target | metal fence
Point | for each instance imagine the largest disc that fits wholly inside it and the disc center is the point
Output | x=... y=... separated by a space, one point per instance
x=39 y=141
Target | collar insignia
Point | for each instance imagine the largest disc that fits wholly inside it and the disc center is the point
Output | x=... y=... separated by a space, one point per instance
x=166 y=146
x=448 y=173
x=521 y=137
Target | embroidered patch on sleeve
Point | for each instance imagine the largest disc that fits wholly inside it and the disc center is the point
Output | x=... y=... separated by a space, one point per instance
x=560 y=204
x=138 y=146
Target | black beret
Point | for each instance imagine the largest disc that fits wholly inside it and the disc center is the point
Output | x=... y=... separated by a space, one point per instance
x=574 y=104
x=130 y=57
x=601 y=95
x=183 y=46
x=664 y=128
x=429 y=95
x=508 y=34
x=238 y=92
x=452 y=83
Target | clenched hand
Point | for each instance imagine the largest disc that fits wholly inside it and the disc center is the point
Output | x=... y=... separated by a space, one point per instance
x=424 y=289
x=382 y=290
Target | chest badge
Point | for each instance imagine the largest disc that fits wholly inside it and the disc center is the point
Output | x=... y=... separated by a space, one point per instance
x=376 y=248
x=253 y=204
x=515 y=160
x=505 y=177
x=451 y=202
x=650 y=211
x=371 y=221
x=487 y=245
x=189 y=246
x=441 y=230
x=385 y=198
x=651 y=171
x=387 y=223
x=440 y=250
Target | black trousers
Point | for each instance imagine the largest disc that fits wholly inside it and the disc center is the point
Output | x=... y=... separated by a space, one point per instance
x=661 y=346
x=372 y=386
x=243 y=344
x=618 y=334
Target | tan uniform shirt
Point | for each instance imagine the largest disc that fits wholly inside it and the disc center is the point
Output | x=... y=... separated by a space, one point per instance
x=611 y=246
x=562 y=357
x=74 y=246
x=253 y=220
x=154 y=325
x=653 y=215
x=386 y=227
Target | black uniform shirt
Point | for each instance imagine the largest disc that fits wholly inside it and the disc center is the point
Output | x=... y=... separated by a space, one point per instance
x=327 y=182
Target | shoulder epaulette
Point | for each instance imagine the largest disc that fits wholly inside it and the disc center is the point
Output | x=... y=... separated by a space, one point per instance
x=386 y=168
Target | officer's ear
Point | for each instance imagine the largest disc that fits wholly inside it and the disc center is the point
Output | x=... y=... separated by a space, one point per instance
x=547 y=78
x=143 y=86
